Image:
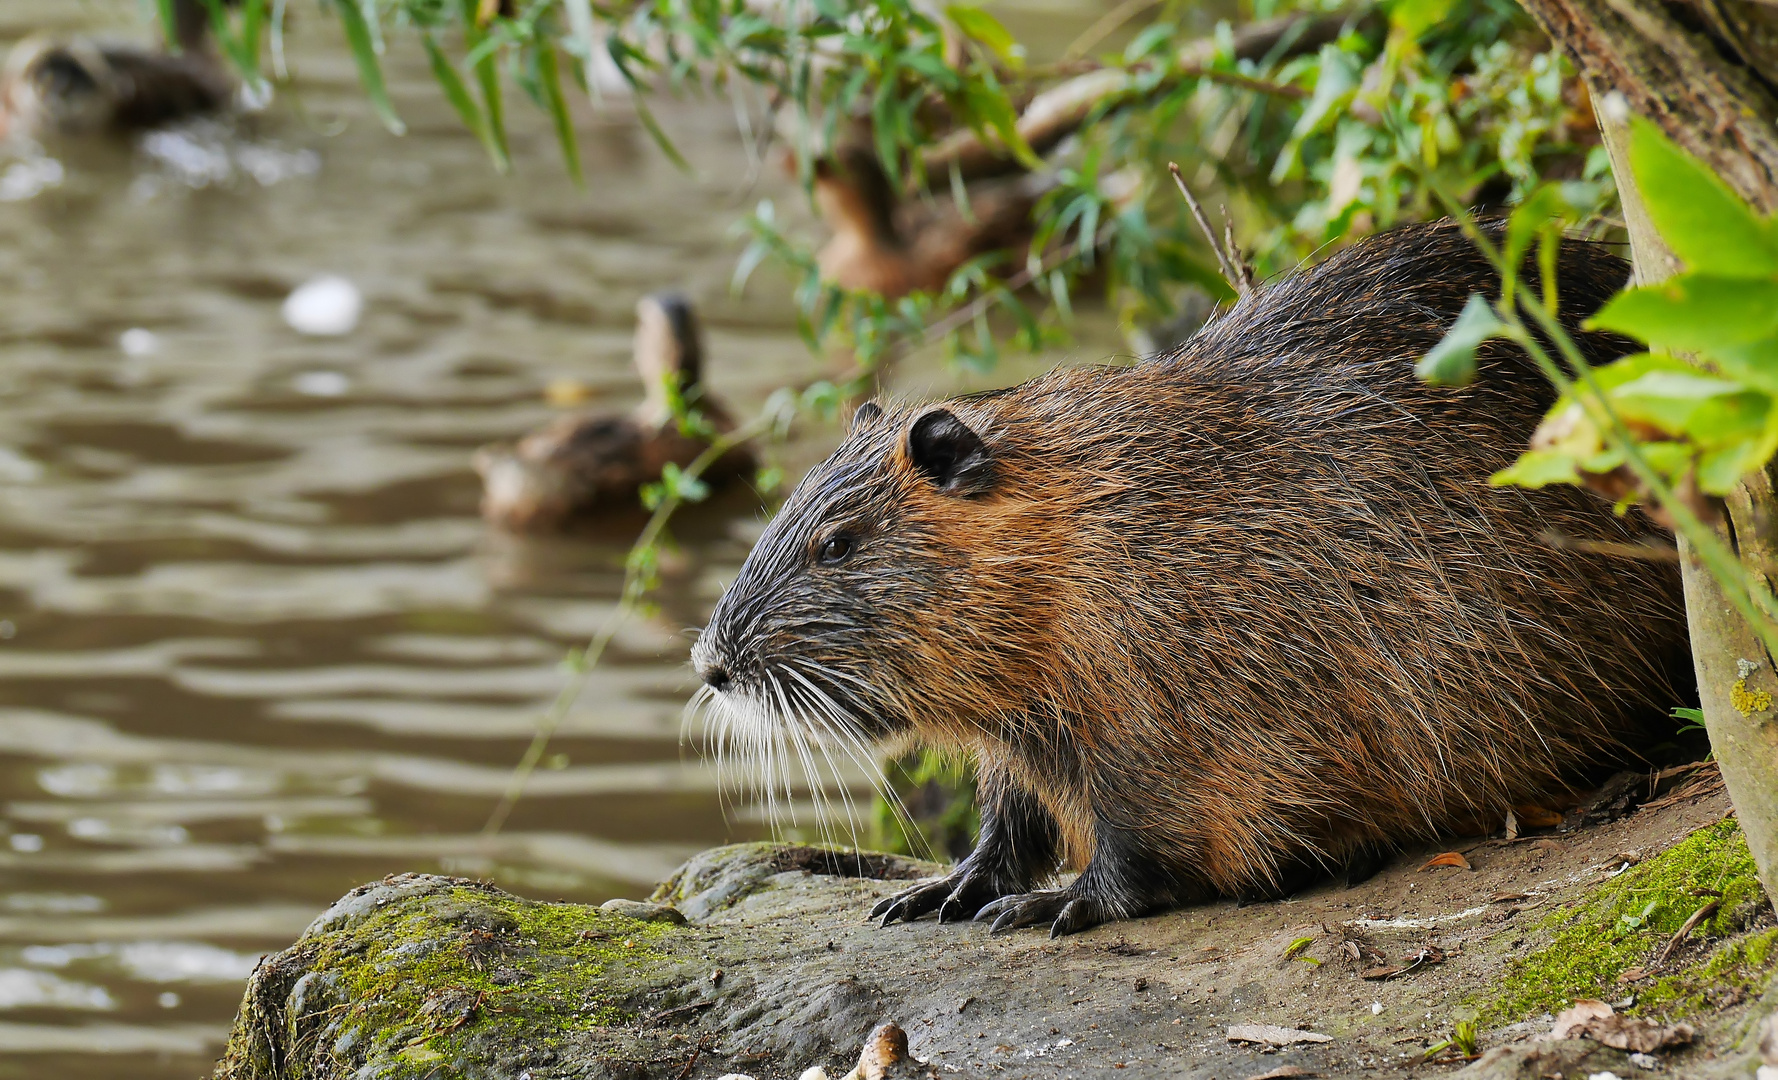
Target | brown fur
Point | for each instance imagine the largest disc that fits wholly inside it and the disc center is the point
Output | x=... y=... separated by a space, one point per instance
x=1224 y=619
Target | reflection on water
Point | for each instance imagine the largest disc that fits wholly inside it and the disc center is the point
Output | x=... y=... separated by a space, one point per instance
x=255 y=648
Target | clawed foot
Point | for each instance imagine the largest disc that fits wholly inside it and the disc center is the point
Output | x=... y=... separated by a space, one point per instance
x=955 y=898
x=1066 y=911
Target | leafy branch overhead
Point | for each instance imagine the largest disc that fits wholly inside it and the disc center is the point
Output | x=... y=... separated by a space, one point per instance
x=1309 y=127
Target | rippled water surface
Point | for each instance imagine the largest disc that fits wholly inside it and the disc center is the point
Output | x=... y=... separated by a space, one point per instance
x=257 y=648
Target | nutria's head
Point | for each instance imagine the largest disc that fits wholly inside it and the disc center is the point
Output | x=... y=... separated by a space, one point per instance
x=898 y=588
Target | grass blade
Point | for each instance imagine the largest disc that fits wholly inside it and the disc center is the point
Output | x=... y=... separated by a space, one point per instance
x=370 y=69
x=549 y=74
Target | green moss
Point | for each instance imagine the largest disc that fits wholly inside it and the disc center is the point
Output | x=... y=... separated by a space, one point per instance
x=1732 y=974
x=416 y=982
x=1622 y=922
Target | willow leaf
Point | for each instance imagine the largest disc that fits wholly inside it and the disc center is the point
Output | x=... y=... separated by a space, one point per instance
x=370 y=69
x=458 y=95
x=549 y=74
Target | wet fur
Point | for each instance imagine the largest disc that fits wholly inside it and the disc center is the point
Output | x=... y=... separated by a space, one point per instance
x=1228 y=620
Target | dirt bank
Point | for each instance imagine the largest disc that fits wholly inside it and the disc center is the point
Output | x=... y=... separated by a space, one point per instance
x=757 y=959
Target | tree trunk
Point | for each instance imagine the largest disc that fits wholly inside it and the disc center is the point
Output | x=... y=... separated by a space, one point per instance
x=1702 y=70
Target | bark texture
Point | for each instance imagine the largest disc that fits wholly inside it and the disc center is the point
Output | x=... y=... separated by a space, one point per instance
x=1703 y=71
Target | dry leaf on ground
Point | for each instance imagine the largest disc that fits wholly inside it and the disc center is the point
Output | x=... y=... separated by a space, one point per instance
x=1536 y=817
x=1589 y=1019
x=1271 y=1035
x=1449 y=858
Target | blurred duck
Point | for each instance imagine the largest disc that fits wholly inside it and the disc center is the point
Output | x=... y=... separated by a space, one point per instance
x=82 y=87
x=589 y=462
x=885 y=245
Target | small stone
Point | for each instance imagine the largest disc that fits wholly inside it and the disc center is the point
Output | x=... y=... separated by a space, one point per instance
x=814 y=1072
x=643 y=911
x=137 y=341
x=1376 y=1008
x=326 y=306
x=1645 y=1061
x=1604 y=1076
x=734 y=1076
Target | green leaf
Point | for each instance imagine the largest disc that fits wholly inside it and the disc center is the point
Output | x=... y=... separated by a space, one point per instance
x=549 y=74
x=1755 y=364
x=370 y=69
x=1705 y=223
x=976 y=23
x=487 y=76
x=655 y=132
x=1452 y=361
x=1414 y=17
x=1669 y=399
x=1536 y=469
x=1694 y=312
x=458 y=95
x=987 y=107
x=169 y=17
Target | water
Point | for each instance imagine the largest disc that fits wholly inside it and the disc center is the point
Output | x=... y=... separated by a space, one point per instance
x=255 y=646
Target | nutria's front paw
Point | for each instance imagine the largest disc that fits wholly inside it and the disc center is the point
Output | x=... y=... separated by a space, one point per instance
x=1065 y=910
x=955 y=897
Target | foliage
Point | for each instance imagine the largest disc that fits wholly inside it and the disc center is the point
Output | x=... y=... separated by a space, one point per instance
x=1708 y=420
x=1690 y=417
x=1307 y=150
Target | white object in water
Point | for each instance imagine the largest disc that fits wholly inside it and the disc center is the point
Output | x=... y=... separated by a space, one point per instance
x=138 y=342
x=325 y=306
x=321 y=383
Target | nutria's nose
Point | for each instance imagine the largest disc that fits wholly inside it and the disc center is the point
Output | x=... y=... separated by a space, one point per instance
x=715 y=677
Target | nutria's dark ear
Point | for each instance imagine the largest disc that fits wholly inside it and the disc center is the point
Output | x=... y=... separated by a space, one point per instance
x=866 y=413
x=949 y=454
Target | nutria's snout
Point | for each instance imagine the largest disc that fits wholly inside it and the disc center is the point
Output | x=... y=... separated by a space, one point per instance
x=710 y=666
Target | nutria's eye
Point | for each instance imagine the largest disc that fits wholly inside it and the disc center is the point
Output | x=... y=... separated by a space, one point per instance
x=836 y=550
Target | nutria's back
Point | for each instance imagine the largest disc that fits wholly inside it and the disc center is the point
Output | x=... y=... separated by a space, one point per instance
x=1222 y=617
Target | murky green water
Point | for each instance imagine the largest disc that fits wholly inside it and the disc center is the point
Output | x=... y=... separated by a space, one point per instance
x=257 y=648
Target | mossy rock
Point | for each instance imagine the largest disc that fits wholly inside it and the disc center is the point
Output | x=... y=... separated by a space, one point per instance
x=1627 y=922
x=423 y=976
x=418 y=971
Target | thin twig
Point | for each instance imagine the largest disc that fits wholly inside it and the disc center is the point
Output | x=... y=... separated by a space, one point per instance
x=1691 y=924
x=696 y=1052
x=665 y=1014
x=1237 y=281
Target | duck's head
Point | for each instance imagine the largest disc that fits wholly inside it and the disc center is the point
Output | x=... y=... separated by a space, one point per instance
x=855 y=197
x=63 y=87
x=669 y=351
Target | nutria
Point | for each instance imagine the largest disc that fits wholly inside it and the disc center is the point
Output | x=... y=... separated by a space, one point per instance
x=589 y=461
x=81 y=87
x=1219 y=623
